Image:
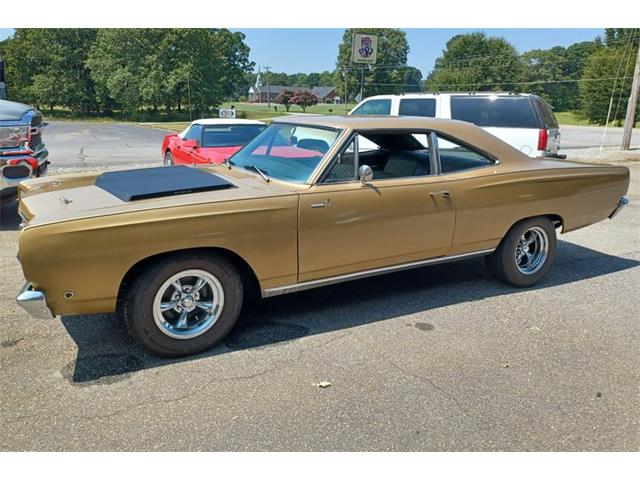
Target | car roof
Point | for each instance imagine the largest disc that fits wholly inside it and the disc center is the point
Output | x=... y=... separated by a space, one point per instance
x=374 y=122
x=226 y=121
x=462 y=94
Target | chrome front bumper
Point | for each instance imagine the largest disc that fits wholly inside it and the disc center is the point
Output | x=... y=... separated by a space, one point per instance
x=34 y=302
x=623 y=202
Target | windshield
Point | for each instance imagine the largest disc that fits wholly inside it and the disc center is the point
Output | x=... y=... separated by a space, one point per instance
x=229 y=135
x=286 y=152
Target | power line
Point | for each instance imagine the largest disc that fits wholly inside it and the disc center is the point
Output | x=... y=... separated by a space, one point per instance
x=475 y=84
x=447 y=62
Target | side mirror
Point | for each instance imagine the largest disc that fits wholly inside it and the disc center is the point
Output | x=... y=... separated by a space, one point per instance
x=365 y=174
x=191 y=143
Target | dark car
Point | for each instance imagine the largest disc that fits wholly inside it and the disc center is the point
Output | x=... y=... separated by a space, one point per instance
x=22 y=153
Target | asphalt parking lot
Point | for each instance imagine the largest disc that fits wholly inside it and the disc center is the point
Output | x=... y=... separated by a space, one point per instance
x=96 y=144
x=440 y=358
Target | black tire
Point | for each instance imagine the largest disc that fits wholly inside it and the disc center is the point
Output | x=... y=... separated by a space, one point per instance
x=138 y=304
x=168 y=158
x=502 y=262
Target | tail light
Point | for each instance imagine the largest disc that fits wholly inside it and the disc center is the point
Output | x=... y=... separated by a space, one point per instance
x=543 y=138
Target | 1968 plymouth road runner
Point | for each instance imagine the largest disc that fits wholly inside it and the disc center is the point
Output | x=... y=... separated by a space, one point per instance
x=309 y=202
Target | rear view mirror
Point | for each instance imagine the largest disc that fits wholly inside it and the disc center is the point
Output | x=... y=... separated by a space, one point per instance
x=192 y=143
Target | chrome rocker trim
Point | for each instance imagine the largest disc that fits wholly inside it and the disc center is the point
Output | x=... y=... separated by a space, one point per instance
x=297 y=287
x=623 y=202
x=34 y=302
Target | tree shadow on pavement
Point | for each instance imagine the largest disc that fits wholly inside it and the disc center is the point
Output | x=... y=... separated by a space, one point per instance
x=105 y=350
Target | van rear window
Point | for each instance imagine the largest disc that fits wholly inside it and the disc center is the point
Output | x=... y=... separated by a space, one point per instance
x=485 y=111
x=546 y=113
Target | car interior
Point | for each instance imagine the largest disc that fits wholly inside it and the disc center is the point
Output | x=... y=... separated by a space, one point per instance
x=399 y=155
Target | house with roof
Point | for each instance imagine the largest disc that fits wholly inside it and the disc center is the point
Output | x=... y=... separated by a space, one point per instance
x=262 y=94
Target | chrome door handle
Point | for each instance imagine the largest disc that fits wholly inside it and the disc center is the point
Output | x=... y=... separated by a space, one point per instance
x=326 y=203
x=444 y=194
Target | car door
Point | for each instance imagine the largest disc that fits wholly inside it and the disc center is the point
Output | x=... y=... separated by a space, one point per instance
x=349 y=226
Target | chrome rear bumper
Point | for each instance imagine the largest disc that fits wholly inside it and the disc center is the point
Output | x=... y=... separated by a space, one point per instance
x=34 y=302
x=623 y=202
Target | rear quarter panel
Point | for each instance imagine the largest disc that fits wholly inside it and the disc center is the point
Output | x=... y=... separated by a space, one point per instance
x=490 y=200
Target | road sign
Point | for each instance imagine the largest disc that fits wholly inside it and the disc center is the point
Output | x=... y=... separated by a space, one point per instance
x=227 y=112
x=365 y=48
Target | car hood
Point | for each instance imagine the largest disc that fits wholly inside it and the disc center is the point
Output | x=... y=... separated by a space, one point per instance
x=56 y=199
x=12 y=110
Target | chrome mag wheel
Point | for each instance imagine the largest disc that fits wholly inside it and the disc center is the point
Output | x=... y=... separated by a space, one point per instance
x=532 y=250
x=188 y=304
x=168 y=158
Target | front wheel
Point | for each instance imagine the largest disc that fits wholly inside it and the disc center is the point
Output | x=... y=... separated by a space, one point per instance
x=526 y=253
x=168 y=158
x=184 y=304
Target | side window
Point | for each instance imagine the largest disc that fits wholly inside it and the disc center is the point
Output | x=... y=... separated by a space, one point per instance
x=194 y=133
x=455 y=157
x=390 y=155
x=494 y=111
x=344 y=166
x=418 y=107
x=374 y=107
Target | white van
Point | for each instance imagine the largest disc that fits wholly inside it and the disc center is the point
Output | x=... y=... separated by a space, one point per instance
x=522 y=120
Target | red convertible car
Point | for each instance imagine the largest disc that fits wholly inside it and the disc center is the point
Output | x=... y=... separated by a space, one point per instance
x=209 y=140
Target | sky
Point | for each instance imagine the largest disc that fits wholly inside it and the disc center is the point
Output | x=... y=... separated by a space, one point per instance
x=309 y=50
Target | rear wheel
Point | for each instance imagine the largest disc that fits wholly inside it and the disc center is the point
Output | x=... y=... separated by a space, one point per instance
x=168 y=158
x=183 y=305
x=526 y=253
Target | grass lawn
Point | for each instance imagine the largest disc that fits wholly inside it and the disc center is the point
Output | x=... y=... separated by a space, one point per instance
x=172 y=126
x=573 y=118
x=255 y=110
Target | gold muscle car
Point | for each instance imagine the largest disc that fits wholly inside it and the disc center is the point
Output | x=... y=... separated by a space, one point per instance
x=309 y=202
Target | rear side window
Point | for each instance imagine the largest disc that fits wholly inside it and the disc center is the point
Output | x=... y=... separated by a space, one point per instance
x=374 y=107
x=486 y=111
x=545 y=111
x=455 y=157
x=418 y=107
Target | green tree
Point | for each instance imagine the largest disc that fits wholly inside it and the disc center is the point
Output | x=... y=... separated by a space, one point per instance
x=475 y=62
x=313 y=80
x=234 y=56
x=607 y=81
x=412 y=79
x=327 y=79
x=386 y=76
x=47 y=67
x=140 y=68
x=555 y=73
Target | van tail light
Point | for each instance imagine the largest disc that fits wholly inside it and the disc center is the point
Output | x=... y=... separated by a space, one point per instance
x=543 y=138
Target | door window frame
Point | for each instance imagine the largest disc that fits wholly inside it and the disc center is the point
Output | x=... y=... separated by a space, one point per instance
x=434 y=155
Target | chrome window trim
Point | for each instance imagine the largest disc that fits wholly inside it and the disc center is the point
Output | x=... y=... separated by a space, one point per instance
x=297 y=287
x=494 y=161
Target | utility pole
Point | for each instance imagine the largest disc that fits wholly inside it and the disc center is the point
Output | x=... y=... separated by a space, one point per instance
x=361 y=82
x=631 y=106
x=266 y=69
